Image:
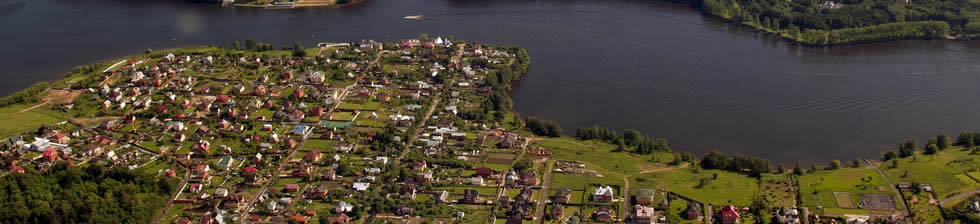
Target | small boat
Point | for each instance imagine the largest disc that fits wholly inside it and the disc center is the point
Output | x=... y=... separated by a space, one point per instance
x=413 y=17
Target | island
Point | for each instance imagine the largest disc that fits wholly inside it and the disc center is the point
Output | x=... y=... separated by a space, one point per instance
x=416 y=131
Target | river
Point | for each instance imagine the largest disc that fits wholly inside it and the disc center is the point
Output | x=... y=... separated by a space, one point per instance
x=658 y=67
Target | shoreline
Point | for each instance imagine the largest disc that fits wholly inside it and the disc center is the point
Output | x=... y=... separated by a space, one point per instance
x=296 y=6
x=54 y=86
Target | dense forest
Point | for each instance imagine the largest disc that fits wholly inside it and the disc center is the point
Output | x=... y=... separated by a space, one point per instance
x=85 y=195
x=820 y=22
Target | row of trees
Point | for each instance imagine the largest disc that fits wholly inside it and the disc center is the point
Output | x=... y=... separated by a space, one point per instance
x=737 y=163
x=28 y=95
x=85 y=195
x=933 y=146
x=629 y=138
x=543 y=127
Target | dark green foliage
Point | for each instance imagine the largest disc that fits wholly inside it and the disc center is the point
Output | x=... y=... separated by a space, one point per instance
x=737 y=163
x=931 y=149
x=523 y=164
x=907 y=149
x=543 y=127
x=834 y=164
x=943 y=141
x=84 y=195
x=642 y=144
x=890 y=155
x=298 y=50
x=858 y=21
x=28 y=95
x=798 y=170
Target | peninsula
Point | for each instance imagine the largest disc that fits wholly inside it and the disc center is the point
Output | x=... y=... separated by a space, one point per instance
x=416 y=131
x=821 y=23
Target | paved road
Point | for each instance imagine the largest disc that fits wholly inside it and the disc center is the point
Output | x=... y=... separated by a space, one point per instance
x=544 y=192
x=959 y=196
x=905 y=210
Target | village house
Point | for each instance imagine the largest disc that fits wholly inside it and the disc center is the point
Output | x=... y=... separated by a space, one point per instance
x=645 y=196
x=603 y=194
x=603 y=214
x=312 y=156
x=729 y=215
x=343 y=207
x=407 y=192
x=693 y=210
x=425 y=177
x=643 y=215
x=788 y=216
x=562 y=195
x=557 y=210
x=471 y=196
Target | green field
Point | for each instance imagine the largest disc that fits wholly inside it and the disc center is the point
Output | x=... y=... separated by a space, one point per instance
x=602 y=159
x=728 y=188
x=342 y=116
x=939 y=170
x=15 y=122
x=817 y=188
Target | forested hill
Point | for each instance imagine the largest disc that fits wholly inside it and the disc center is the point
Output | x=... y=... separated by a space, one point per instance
x=819 y=22
x=85 y=195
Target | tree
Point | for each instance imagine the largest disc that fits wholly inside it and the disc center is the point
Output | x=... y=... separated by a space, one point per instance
x=856 y=163
x=621 y=145
x=766 y=22
x=834 y=164
x=907 y=149
x=714 y=176
x=704 y=181
x=235 y=45
x=944 y=142
x=523 y=164
x=423 y=37
x=894 y=163
x=298 y=50
x=798 y=170
x=890 y=155
x=932 y=149
x=148 y=51
x=251 y=44
x=780 y=169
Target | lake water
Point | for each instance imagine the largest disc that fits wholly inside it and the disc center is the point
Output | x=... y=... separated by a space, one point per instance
x=658 y=67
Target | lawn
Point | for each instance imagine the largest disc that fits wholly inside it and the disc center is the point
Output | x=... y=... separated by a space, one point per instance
x=817 y=188
x=342 y=116
x=728 y=188
x=322 y=144
x=15 y=122
x=349 y=106
x=569 y=148
x=939 y=170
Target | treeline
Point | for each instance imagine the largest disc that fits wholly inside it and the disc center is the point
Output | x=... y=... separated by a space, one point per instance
x=251 y=45
x=737 y=163
x=85 y=195
x=967 y=139
x=811 y=22
x=883 y=32
x=543 y=127
x=629 y=138
x=28 y=95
